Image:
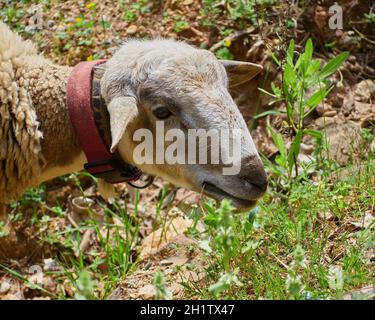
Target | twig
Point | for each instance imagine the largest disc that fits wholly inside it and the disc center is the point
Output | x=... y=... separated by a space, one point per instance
x=278 y=260
x=362 y=36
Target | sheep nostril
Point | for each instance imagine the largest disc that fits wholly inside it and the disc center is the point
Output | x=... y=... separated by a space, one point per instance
x=258 y=180
x=261 y=184
x=253 y=174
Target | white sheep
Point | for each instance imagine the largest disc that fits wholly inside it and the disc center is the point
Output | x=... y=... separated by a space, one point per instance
x=37 y=140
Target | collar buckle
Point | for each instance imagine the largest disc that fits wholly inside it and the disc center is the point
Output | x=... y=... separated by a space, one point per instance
x=113 y=170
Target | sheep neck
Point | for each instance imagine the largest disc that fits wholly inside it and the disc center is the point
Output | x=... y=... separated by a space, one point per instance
x=60 y=147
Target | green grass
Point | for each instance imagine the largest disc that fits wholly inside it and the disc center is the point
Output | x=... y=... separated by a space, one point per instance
x=285 y=249
x=239 y=12
x=109 y=262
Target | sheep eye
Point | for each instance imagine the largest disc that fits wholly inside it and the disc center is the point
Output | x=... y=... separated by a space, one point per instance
x=161 y=113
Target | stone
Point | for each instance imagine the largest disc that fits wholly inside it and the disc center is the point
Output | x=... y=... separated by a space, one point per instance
x=330 y=113
x=328 y=216
x=49 y=284
x=132 y=29
x=50 y=265
x=344 y=139
x=324 y=122
x=365 y=90
x=4 y=287
x=321 y=109
x=147 y=292
x=177 y=260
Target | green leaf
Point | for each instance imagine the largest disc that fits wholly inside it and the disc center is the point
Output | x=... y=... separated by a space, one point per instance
x=269 y=112
x=313 y=67
x=308 y=52
x=317 y=98
x=304 y=59
x=289 y=77
x=267 y=93
x=279 y=142
x=296 y=66
x=209 y=208
x=290 y=52
x=289 y=110
x=277 y=61
x=276 y=90
x=333 y=65
x=313 y=133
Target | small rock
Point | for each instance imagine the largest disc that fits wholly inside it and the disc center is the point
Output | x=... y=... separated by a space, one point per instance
x=338 y=100
x=307 y=148
x=4 y=287
x=178 y=260
x=365 y=90
x=131 y=30
x=324 y=122
x=337 y=133
x=330 y=113
x=50 y=265
x=120 y=26
x=364 y=108
x=328 y=216
x=321 y=108
x=49 y=284
x=147 y=292
x=348 y=104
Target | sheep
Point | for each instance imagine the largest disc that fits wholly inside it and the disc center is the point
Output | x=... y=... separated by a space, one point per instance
x=38 y=142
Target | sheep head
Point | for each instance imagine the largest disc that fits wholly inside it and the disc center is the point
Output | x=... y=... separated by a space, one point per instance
x=149 y=85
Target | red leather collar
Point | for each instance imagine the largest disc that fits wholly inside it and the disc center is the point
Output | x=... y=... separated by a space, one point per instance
x=100 y=161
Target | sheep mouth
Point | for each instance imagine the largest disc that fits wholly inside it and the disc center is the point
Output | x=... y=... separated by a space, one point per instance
x=219 y=194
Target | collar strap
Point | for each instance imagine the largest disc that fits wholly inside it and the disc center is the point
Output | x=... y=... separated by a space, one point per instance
x=101 y=163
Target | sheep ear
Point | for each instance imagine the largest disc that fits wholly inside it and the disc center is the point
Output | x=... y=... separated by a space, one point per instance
x=121 y=111
x=240 y=72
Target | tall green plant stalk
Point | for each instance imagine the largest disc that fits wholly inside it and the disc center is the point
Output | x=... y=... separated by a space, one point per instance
x=304 y=86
